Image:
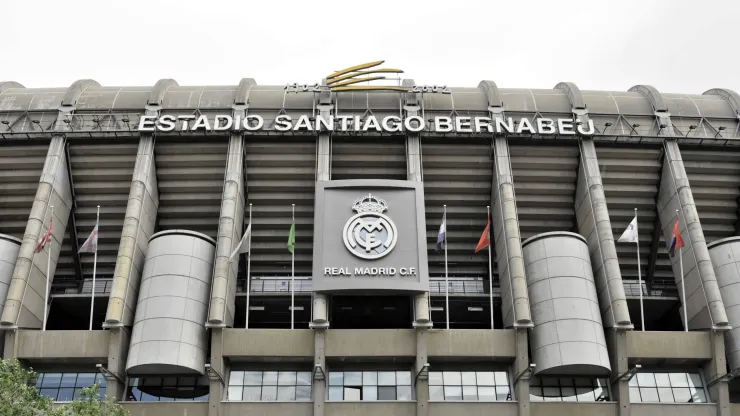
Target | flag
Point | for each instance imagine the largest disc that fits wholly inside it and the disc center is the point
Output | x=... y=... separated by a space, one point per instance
x=485 y=238
x=91 y=244
x=45 y=238
x=441 y=238
x=243 y=246
x=630 y=234
x=677 y=241
x=291 y=238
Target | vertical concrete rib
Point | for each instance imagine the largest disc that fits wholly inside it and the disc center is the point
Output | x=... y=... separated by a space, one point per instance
x=422 y=316
x=138 y=225
x=24 y=306
x=507 y=239
x=594 y=224
x=705 y=308
x=231 y=221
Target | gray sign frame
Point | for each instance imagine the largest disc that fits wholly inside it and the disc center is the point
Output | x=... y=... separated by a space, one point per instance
x=372 y=284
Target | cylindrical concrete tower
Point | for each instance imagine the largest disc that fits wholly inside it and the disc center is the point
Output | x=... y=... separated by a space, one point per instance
x=568 y=336
x=725 y=256
x=9 y=247
x=169 y=336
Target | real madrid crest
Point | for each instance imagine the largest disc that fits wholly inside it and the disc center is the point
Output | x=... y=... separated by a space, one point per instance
x=370 y=234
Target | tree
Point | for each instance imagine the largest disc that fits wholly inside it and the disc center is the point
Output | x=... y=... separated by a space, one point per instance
x=19 y=398
x=90 y=404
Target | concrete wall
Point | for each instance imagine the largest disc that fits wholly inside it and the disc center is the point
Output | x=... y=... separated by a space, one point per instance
x=668 y=345
x=472 y=409
x=370 y=408
x=169 y=336
x=370 y=343
x=725 y=255
x=24 y=305
x=92 y=345
x=499 y=344
x=268 y=343
x=567 y=337
x=266 y=409
x=674 y=409
x=138 y=226
x=573 y=409
x=166 y=409
x=9 y=247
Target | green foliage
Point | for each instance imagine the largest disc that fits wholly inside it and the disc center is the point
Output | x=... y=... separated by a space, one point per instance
x=90 y=404
x=19 y=398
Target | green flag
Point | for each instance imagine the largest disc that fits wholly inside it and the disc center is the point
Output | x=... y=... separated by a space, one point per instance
x=291 y=238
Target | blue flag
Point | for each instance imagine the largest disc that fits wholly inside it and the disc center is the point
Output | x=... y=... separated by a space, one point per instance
x=442 y=237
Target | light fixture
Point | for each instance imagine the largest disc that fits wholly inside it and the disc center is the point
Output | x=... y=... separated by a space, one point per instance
x=295 y=308
x=475 y=309
x=108 y=375
x=423 y=373
x=627 y=376
x=256 y=308
x=436 y=309
x=213 y=375
x=318 y=373
x=526 y=374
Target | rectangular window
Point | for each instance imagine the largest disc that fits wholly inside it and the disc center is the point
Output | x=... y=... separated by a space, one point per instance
x=65 y=387
x=269 y=386
x=167 y=389
x=370 y=385
x=667 y=387
x=483 y=386
x=568 y=389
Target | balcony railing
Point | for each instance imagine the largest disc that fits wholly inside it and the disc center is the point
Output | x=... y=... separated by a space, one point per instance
x=102 y=287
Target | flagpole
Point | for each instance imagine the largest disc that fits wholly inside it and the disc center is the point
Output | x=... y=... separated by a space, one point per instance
x=639 y=273
x=292 y=280
x=490 y=265
x=683 y=285
x=249 y=266
x=48 y=269
x=95 y=269
x=447 y=283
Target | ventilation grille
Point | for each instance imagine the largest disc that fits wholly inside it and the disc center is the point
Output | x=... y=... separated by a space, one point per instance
x=384 y=158
x=190 y=178
x=545 y=182
x=457 y=173
x=280 y=173
x=20 y=171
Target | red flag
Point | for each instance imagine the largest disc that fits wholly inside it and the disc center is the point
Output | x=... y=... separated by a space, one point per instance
x=677 y=240
x=45 y=238
x=485 y=238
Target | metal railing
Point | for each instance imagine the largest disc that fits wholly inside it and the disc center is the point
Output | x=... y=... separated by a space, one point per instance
x=102 y=287
x=656 y=289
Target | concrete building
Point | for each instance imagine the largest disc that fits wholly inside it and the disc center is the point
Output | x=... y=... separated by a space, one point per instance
x=384 y=319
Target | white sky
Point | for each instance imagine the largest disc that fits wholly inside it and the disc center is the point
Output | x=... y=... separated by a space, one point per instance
x=678 y=46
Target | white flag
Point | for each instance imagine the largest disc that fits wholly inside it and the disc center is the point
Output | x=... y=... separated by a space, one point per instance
x=243 y=246
x=630 y=234
x=91 y=244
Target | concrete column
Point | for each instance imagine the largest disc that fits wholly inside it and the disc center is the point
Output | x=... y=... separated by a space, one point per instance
x=216 y=389
x=717 y=367
x=24 y=306
x=319 y=386
x=117 y=352
x=703 y=299
x=422 y=386
x=594 y=224
x=507 y=240
x=9 y=247
x=231 y=223
x=521 y=363
x=138 y=226
x=617 y=343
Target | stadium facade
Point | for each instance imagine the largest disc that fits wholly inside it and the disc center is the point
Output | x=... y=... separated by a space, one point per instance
x=363 y=290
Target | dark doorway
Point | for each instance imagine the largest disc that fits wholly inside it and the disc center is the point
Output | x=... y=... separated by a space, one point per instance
x=371 y=312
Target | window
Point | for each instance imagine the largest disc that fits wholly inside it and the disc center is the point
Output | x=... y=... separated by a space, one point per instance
x=168 y=389
x=370 y=385
x=65 y=387
x=568 y=389
x=269 y=386
x=484 y=386
x=667 y=388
